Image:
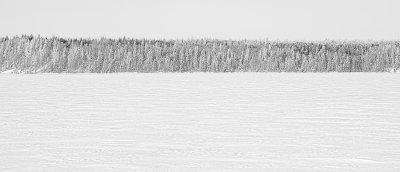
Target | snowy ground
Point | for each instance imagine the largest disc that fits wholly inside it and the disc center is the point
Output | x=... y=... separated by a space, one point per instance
x=200 y=122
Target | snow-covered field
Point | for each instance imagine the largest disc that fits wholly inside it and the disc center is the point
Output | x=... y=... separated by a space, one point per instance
x=200 y=122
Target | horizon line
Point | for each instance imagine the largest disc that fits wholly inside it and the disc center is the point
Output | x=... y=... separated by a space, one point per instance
x=205 y=38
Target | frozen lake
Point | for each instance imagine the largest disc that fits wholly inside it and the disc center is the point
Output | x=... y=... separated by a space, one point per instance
x=200 y=122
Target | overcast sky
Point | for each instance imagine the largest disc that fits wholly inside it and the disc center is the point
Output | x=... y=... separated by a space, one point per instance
x=223 y=19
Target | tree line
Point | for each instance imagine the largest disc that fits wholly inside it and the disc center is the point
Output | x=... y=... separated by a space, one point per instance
x=33 y=54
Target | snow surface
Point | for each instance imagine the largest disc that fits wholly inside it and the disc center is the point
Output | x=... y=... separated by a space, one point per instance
x=7 y=71
x=200 y=122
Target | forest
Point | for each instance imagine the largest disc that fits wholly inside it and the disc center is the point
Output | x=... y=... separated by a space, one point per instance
x=36 y=54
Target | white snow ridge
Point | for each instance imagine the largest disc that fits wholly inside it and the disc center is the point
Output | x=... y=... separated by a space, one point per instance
x=200 y=122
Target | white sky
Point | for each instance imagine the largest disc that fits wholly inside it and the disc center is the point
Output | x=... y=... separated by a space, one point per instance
x=223 y=19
